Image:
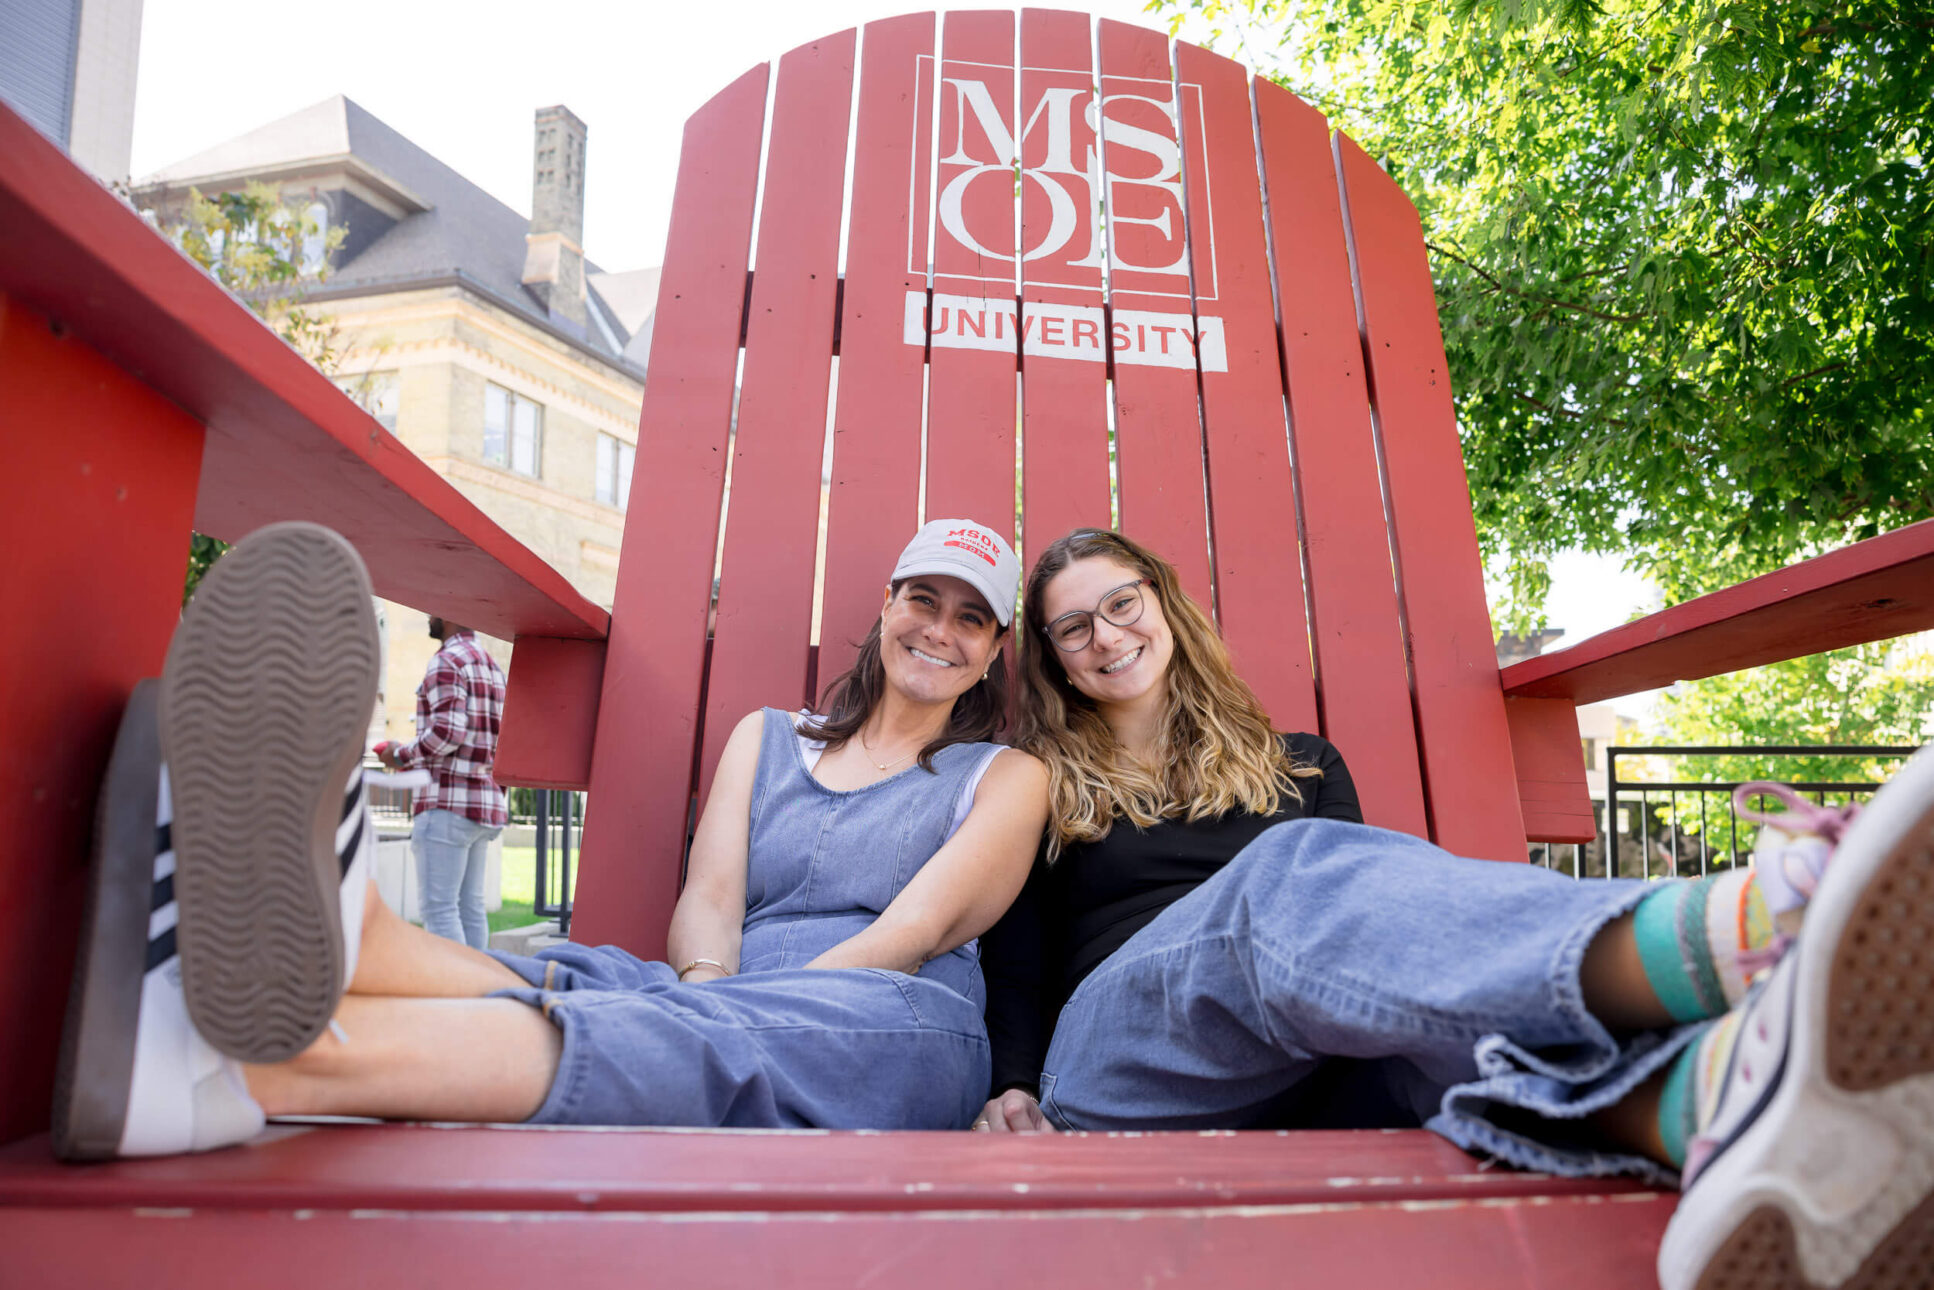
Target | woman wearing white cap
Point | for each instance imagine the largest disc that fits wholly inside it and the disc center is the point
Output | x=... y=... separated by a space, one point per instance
x=822 y=970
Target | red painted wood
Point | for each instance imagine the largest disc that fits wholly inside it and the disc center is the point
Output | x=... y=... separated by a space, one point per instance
x=971 y=394
x=282 y=442
x=771 y=529
x=419 y=1168
x=1870 y=591
x=1466 y=744
x=1550 y=763
x=101 y=476
x=641 y=764
x=1064 y=371
x=550 y=713
x=1579 y=1243
x=1252 y=497
x=1364 y=677
x=1157 y=427
x=875 y=497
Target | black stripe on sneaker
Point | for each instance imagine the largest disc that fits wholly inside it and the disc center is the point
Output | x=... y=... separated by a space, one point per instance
x=164 y=838
x=160 y=950
x=164 y=892
x=348 y=856
x=351 y=798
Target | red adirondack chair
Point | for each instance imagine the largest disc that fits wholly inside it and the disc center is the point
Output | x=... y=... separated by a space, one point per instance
x=1256 y=313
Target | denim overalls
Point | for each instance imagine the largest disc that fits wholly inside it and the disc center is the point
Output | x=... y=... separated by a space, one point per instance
x=780 y=1046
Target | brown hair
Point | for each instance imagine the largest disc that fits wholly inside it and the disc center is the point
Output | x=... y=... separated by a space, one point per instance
x=1216 y=752
x=849 y=700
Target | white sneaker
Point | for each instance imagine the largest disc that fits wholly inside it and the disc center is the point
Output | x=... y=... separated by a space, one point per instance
x=265 y=703
x=1817 y=1170
x=135 y=1078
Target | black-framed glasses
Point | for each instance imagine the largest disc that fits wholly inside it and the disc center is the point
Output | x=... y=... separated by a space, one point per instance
x=1122 y=606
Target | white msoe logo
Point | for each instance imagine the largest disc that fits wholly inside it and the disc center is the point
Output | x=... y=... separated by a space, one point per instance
x=1136 y=123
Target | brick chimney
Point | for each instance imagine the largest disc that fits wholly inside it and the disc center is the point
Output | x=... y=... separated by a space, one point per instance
x=554 y=254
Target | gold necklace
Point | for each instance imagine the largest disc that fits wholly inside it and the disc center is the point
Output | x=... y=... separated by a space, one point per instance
x=879 y=765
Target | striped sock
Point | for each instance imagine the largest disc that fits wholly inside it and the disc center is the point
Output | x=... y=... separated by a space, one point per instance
x=1696 y=939
x=1691 y=1091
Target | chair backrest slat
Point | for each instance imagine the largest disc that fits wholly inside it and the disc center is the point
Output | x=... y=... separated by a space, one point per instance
x=1064 y=372
x=971 y=391
x=1462 y=731
x=1188 y=250
x=1252 y=515
x=764 y=628
x=876 y=459
x=1158 y=430
x=1365 y=680
x=641 y=767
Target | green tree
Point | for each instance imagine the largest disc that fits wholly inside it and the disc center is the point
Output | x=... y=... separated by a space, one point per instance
x=267 y=254
x=1684 y=253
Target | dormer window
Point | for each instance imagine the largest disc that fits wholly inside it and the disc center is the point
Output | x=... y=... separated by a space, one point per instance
x=315 y=239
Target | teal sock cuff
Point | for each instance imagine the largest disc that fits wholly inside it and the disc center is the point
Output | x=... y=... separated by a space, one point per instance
x=1655 y=925
x=1675 y=1106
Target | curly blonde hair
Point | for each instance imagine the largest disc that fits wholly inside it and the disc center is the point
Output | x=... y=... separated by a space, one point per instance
x=1216 y=752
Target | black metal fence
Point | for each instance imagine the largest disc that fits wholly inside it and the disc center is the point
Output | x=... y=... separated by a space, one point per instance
x=558 y=815
x=1685 y=825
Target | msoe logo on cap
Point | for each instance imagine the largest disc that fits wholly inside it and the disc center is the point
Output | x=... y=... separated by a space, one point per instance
x=975 y=541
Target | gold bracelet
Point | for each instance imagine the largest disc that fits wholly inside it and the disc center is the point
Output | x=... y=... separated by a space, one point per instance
x=705 y=962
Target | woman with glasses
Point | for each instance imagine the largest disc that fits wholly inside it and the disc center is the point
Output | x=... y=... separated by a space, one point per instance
x=1211 y=940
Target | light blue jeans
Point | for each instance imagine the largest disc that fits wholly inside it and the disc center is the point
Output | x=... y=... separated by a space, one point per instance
x=1453 y=983
x=451 y=855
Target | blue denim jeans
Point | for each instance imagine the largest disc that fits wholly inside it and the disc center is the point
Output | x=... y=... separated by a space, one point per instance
x=451 y=855
x=1454 y=983
x=853 y=1048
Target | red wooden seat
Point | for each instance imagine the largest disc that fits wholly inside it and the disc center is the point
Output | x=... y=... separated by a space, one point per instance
x=1273 y=373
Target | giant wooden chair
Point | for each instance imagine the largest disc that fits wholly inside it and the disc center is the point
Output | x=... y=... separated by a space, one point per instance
x=1254 y=323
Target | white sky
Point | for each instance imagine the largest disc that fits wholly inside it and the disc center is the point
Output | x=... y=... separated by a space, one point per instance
x=464 y=82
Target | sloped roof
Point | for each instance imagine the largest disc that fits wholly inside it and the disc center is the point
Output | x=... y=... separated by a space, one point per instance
x=451 y=229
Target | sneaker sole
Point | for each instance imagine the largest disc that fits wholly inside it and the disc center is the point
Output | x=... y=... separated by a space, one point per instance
x=96 y=1071
x=1834 y=1187
x=265 y=704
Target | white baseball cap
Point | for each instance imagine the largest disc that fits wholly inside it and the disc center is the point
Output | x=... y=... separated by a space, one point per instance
x=974 y=553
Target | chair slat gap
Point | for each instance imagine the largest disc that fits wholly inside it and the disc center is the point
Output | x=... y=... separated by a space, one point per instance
x=1257 y=554
x=878 y=423
x=1158 y=435
x=641 y=771
x=973 y=351
x=1469 y=774
x=1064 y=354
x=1354 y=613
x=761 y=640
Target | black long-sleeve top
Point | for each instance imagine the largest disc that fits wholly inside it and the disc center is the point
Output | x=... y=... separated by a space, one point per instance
x=1075 y=913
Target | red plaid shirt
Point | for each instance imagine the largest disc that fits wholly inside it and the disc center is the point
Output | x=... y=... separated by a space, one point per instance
x=459 y=707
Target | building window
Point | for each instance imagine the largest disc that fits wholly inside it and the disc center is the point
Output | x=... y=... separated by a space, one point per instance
x=614 y=470
x=375 y=393
x=513 y=431
x=315 y=239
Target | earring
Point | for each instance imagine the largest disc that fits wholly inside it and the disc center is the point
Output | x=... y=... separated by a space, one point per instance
x=984 y=672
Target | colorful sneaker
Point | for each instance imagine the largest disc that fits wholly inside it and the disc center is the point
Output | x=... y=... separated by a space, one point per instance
x=134 y=1077
x=1817 y=1168
x=265 y=704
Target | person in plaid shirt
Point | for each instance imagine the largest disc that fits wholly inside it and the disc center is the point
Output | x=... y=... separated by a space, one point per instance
x=459 y=707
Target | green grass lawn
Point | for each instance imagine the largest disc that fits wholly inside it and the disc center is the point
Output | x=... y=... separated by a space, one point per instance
x=520 y=888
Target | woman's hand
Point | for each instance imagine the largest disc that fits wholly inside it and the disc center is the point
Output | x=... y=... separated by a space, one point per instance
x=1012 y=1112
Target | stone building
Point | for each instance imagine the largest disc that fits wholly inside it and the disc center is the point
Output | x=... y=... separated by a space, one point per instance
x=483 y=340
